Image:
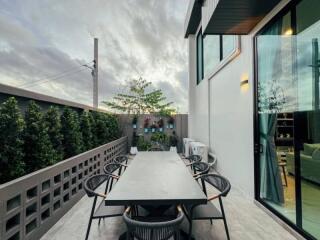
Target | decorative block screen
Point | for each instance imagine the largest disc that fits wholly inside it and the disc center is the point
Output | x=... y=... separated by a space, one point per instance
x=30 y=205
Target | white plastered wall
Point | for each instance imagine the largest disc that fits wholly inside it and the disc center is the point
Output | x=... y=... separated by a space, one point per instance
x=221 y=112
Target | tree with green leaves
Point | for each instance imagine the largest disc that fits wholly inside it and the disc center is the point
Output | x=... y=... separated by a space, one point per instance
x=39 y=152
x=113 y=127
x=53 y=122
x=86 y=129
x=101 y=129
x=93 y=129
x=140 y=99
x=72 y=136
x=11 y=141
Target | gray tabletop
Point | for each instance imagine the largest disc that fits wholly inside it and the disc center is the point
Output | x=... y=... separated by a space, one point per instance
x=156 y=178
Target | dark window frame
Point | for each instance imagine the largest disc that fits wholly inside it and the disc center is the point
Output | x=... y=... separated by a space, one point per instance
x=221 y=57
x=199 y=35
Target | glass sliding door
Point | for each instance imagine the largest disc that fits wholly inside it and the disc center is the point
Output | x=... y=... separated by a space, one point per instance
x=308 y=63
x=276 y=103
x=288 y=116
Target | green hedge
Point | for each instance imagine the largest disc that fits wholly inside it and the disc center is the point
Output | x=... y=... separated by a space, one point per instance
x=42 y=138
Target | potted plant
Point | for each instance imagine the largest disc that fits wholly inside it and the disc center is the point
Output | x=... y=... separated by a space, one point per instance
x=142 y=144
x=171 y=122
x=173 y=141
x=146 y=125
x=153 y=127
x=160 y=124
x=134 y=142
x=134 y=121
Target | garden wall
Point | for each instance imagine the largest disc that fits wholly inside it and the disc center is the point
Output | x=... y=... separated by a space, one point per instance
x=180 y=126
x=32 y=204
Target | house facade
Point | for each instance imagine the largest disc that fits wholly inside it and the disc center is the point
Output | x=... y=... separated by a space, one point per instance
x=254 y=100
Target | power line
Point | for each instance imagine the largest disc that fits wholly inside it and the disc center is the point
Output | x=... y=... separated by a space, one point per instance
x=56 y=76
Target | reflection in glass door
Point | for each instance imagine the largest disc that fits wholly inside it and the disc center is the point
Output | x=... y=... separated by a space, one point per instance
x=276 y=99
x=288 y=115
x=308 y=63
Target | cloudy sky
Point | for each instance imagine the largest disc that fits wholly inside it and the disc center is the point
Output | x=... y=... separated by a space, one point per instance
x=43 y=44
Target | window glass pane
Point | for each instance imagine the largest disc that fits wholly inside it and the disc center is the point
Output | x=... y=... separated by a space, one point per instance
x=211 y=53
x=276 y=101
x=308 y=37
x=308 y=65
x=277 y=85
x=199 y=58
x=229 y=44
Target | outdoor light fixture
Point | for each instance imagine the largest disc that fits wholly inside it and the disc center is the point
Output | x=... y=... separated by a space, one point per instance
x=288 y=32
x=244 y=80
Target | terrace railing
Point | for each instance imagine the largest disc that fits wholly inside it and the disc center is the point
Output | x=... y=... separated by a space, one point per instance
x=32 y=204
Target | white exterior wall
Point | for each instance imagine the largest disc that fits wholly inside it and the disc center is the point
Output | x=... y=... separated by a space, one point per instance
x=198 y=117
x=231 y=110
x=221 y=112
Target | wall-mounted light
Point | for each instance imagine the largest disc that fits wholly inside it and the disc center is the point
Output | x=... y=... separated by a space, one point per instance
x=244 y=82
x=288 y=32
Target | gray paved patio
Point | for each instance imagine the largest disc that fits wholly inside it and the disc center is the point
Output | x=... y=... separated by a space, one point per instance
x=246 y=221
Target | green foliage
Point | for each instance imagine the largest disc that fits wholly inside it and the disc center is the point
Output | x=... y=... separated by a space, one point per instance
x=113 y=127
x=86 y=129
x=39 y=151
x=72 y=136
x=140 y=99
x=101 y=128
x=142 y=144
x=92 y=120
x=42 y=139
x=106 y=128
x=160 y=137
x=53 y=123
x=11 y=141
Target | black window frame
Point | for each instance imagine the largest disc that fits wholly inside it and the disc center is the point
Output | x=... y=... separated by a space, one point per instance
x=297 y=225
x=199 y=35
x=221 y=57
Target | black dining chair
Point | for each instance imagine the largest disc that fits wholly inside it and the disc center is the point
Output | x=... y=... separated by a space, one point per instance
x=122 y=160
x=155 y=228
x=112 y=169
x=102 y=211
x=209 y=211
x=192 y=159
x=200 y=168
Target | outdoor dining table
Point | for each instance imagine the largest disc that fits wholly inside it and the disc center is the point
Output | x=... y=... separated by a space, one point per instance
x=155 y=179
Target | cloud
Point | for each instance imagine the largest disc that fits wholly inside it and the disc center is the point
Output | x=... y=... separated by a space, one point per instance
x=40 y=39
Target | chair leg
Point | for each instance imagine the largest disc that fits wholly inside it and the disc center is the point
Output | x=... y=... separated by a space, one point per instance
x=107 y=185
x=110 y=188
x=211 y=221
x=91 y=215
x=190 y=227
x=88 y=229
x=99 y=221
x=285 y=176
x=224 y=218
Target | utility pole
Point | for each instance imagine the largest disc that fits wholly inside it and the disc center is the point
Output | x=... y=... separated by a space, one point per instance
x=315 y=73
x=95 y=74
